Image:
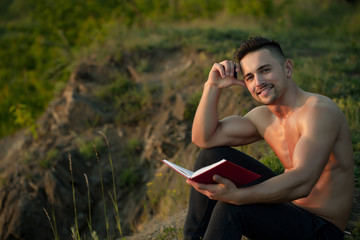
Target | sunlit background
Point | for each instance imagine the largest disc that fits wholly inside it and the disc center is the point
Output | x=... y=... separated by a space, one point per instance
x=42 y=42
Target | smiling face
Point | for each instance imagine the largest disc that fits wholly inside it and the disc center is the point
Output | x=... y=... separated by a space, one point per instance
x=265 y=75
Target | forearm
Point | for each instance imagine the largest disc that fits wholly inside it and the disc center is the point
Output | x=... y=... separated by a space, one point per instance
x=206 y=117
x=282 y=188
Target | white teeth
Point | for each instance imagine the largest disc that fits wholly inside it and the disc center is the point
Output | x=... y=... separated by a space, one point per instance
x=265 y=90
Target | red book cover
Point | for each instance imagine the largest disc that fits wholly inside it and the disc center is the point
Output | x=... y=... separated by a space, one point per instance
x=237 y=174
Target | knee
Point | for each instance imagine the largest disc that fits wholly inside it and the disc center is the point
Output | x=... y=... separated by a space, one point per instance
x=227 y=218
x=228 y=209
x=239 y=214
x=210 y=156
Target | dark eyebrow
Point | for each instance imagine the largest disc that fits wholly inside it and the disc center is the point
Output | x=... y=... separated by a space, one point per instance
x=259 y=68
x=264 y=66
x=247 y=75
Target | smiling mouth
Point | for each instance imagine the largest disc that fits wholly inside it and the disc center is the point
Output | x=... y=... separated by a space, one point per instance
x=265 y=90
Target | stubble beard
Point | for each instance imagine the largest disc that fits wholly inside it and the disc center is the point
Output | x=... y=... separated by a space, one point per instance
x=270 y=99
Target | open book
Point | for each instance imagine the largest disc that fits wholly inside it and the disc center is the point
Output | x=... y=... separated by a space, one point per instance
x=235 y=173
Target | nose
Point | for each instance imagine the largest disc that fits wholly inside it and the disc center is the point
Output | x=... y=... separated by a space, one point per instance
x=259 y=80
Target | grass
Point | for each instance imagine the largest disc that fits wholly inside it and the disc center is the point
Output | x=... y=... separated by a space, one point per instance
x=86 y=148
x=167 y=193
x=76 y=233
x=103 y=194
x=130 y=101
x=42 y=42
x=113 y=196
x=89 y=204
x=170 y=233
x=272 y=161
x=52 y=222
x=324 y=49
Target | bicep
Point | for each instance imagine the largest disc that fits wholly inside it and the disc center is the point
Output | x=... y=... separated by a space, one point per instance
x=319 y=131
x=234 y=131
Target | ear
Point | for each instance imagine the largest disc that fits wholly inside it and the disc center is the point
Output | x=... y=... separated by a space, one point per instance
x=289 y=68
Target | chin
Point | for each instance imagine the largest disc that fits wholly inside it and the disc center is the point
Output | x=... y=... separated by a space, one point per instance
x=267 y=101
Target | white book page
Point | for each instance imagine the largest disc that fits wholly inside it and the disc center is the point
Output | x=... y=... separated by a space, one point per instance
x=204 y=169
x=183 y=171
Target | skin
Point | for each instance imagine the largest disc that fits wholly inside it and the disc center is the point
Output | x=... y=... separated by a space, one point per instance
x=307 y=131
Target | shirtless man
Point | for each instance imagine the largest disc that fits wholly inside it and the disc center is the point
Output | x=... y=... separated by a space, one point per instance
x=313 y=198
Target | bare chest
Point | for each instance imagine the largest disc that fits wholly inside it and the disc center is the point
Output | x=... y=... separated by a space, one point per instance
x=282 y=138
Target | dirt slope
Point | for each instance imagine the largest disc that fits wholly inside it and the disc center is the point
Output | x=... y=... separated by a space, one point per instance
x=35 y=174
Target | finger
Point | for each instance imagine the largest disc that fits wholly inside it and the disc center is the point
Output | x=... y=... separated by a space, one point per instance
x=230 y=68
x=218 y=179
x=227 y=66
x=190 y=182
x=224 y=181
x=197 y=186
x=203 y=188
x=237 y=67
x=239 y=83
x=220 y=69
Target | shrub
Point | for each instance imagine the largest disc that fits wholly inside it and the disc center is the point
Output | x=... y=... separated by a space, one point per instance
x=24 y=118
x=128 y=100
x=86 y=148
x=129 y=177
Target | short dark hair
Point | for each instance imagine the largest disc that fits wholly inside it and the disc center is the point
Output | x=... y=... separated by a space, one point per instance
x=255 y=43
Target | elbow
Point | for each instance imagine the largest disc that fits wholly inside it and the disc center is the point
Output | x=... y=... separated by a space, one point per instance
x=199 y=142
x=301 y=184
x=304 y=190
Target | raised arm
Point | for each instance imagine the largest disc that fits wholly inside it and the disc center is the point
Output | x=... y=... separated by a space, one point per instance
x=320 y=128
x=207 y=130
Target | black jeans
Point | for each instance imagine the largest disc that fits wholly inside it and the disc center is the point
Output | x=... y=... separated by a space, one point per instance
x=210 y=219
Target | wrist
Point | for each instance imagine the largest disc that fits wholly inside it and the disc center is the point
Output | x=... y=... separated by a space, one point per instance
x=211 y=89
x=211 y=86
x=237 y=197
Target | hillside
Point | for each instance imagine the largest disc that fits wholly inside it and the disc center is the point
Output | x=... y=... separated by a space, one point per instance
x=41 y=176
x=91 y=101
x=36 y=173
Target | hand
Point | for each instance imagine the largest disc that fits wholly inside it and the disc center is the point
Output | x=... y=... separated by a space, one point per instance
x=224 y=190
x=222 y=74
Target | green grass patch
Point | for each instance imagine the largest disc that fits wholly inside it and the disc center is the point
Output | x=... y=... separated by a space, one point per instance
x=272 y=161
x=41 y=42
x=170 y=233
x=86 y=148
x=130 y=101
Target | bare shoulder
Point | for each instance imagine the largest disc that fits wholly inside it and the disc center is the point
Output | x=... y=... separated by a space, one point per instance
x=319 y=110
x=320 y=104
x=261 y=117
x=261 y=112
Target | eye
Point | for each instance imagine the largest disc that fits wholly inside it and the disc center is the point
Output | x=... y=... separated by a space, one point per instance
x=266 y=70
x=249 y=78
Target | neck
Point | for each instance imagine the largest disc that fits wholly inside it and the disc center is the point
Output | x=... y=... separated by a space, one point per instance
x=287 y=103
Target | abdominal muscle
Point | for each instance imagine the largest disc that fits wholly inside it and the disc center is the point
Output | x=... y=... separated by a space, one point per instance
x=329 y=199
